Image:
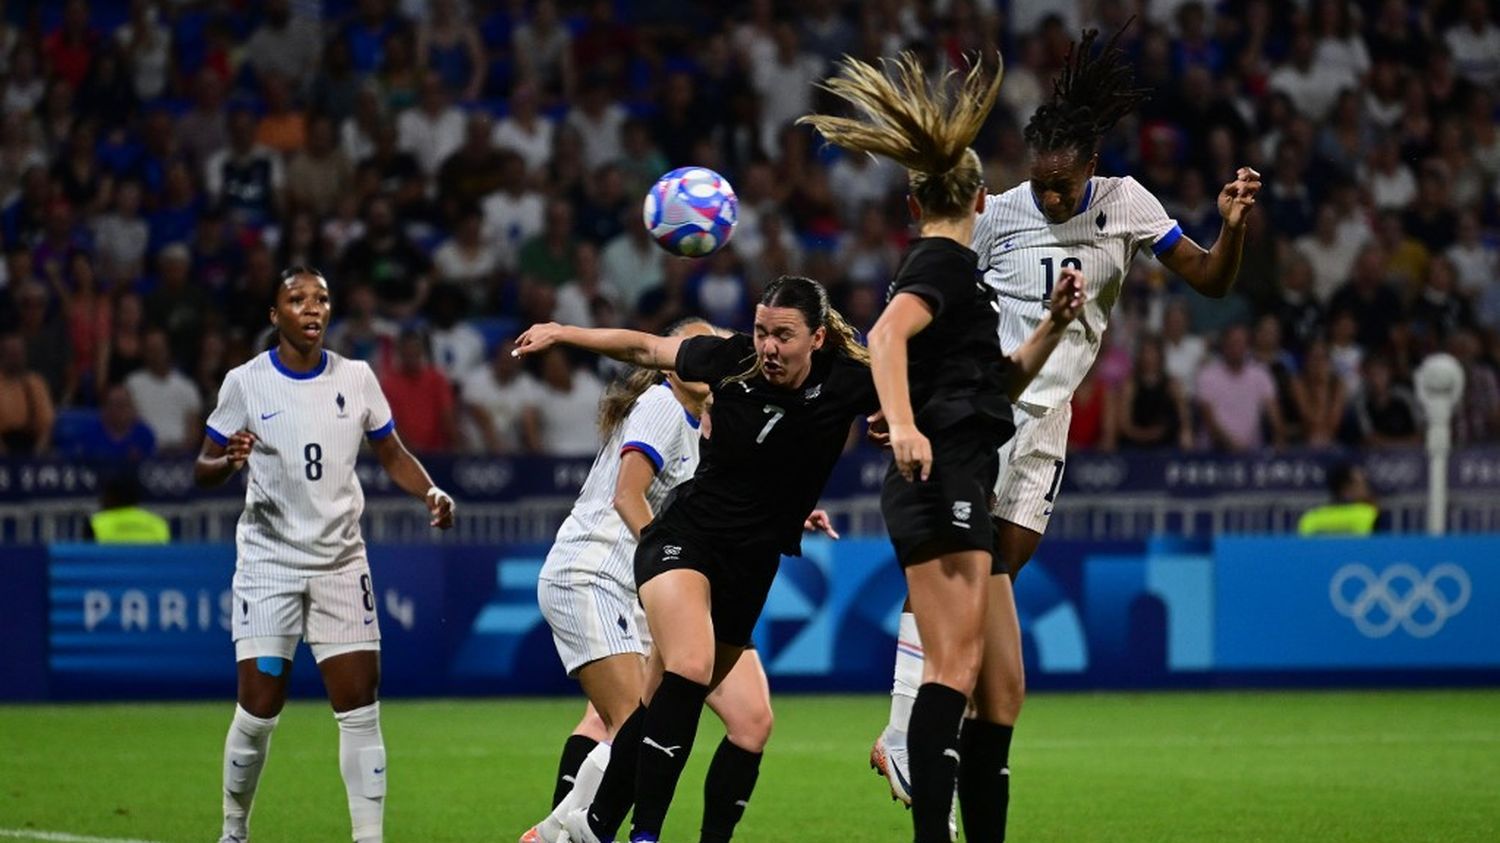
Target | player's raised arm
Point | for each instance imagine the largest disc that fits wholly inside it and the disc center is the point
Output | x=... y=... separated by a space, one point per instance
x=1213 y=271
x=634 y=347
x=1067 y=305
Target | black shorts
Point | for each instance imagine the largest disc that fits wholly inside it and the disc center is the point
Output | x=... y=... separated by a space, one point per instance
x=739 y=578
x=949 y=511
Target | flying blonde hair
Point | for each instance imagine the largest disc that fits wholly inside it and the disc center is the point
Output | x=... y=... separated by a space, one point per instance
x=924 y=126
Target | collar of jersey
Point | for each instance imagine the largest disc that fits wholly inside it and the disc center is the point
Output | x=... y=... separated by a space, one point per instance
x=300 y=376
x=692 y=420
x=1083 y=205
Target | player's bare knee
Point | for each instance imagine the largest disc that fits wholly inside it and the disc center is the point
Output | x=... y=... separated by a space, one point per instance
x=694 y=667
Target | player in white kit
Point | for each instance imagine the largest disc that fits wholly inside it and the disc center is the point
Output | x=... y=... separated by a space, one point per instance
x=296 y=416
x=587 y=593
x=1064 y=217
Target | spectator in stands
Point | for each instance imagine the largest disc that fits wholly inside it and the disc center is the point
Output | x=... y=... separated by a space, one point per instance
x=543 y=49
x=1473 y=256
x=449 y=46
x=204 y=129
x=1296 y=307
x=1312 y=87
x=360 y=332
x=602 y=209
x=388 y=261
x=434 y=129
x=178 y=305
x=1440 y=310
x=1150 y=407
x=88 y=311
x=283 y=125
x=562 y=419
x=121 y=235
x=598 y=122
x=358 y=131
x=215 y=257
x=467 y=261
x=866 y=253
x=1478 y=417
x=548 y=257
x=1183 y=350
x=457 y=346
x=1388 y=180
x=1269 y=351
x=70 y=49
x=79 y=172
x=1406 y=257
x=1475 y=44
x=1386 y=412
x=631 y=263
x=48 y=351
x=720 y=293
x=286 y=43
x=1330 y=254
x=1321 y=396
x=300 y=243
x=24 y=86
x=117 y=433
x=577 y=299
x=1431 y=219
x=420 y=396
x=26 y=408
x=1236 y=398
x=319 y=174
x=514 y=213
x=1369 y=298
x=400 y=78
x=147 y=47
x=524 y=131
x=336 y=87
x=245 y=176
x=784 y=80
x=400 y=177
x=122 y=354
x=494 y=401
x=473 y=171
x=167 y=400
x=1344 y=349
x=368 y=33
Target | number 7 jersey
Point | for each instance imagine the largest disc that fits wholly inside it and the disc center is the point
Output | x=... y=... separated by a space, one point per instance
x=303 y=500
x=1022 y=255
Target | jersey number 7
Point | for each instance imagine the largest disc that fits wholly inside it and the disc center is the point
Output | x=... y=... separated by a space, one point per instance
x=1067 y=263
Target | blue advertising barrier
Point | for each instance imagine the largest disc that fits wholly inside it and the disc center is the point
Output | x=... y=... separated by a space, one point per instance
x=89 y=622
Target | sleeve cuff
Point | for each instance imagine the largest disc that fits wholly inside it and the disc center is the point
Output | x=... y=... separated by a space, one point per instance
x=1167 y=240
x=381 y=432
x=218 y=438
x=651 y=453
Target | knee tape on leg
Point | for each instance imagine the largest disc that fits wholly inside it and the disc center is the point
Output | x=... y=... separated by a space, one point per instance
x=372 y=772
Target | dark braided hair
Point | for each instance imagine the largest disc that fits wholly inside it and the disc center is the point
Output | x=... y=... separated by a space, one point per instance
x=1094 y=90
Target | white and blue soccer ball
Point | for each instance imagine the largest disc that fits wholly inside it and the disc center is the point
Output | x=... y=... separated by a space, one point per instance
x=691 y=211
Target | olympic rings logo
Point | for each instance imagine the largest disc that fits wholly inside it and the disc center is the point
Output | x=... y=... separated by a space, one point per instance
x=1400 y=596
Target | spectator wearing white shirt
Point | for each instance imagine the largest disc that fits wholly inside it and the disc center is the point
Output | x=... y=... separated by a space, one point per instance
x=1475 y=260
x=168 y=400
x=434 y=129
x=544 y=50
x=25 y=86
x=359 y=130
x=1391 y=184
x=285 y=43
x=600 y=123
x=121 y=235
x=561 y=421
x=467 y=261
x=457 y=347
x=632 y=263
x=147 y=47
x=579 y=299
x=785 y=85
x=524 y=131
x=1340 y=45
x=513 y=214
x=1182 y=350
x=1330 y=254
x=1475 y=45
x=1313 y=88
x=860 y=180
x=494 y=400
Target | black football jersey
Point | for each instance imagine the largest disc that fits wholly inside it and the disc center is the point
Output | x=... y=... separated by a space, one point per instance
x=771 y=449
x=955 y=367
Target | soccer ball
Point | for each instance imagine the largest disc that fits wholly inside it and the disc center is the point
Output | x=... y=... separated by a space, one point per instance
x=691 y=211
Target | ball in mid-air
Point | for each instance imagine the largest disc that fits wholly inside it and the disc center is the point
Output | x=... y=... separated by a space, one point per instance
x=691 y=211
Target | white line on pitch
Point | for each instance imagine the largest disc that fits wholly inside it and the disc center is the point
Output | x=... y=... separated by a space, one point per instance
x=61 y=837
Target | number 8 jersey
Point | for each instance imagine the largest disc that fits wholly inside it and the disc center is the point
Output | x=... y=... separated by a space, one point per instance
x=303 y=501
x=1022 y=254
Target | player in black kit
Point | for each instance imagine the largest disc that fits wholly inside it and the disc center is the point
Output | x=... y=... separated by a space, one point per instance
x=783 y=402
x=936 y=351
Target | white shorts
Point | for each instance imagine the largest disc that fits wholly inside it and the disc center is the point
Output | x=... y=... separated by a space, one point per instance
x=1031 y=466
x=332 y=612
x=592 y=620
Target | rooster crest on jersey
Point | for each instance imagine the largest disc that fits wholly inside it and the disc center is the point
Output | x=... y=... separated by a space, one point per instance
x=691 y=211
x=339 y=400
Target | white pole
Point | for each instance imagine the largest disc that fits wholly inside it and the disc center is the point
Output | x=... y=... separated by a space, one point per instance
x=1440 y=385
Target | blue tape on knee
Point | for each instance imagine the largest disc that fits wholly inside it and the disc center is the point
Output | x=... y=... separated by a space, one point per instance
x=270 y=665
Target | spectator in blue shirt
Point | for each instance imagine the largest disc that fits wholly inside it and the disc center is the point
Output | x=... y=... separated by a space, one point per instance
x=118 y=433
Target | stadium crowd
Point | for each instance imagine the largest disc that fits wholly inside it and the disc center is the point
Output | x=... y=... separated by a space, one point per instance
x=460 y=171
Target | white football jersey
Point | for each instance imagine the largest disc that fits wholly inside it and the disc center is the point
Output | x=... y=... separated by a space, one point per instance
x=1021 y=254
x=303 y=503
x=594 y=541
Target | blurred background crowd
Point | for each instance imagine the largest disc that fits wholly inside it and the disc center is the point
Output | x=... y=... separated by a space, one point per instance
x=460 y=170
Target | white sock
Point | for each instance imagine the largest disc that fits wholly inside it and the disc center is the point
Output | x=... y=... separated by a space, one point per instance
x=908 y=679
x=585 y=785
x=362 y=762
x=245 y=751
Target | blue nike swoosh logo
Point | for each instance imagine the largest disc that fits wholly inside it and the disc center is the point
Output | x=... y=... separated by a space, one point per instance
x=905 y=785
x=369 y=621
x=378 y=770
x=238 y=764
x=264 y=416
x=685 y=459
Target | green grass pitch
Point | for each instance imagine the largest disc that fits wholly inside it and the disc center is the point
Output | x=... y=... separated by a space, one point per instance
x=1350 y=766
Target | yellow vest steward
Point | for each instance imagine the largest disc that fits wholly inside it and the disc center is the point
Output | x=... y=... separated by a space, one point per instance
x=1339 y=519
x=129 y=525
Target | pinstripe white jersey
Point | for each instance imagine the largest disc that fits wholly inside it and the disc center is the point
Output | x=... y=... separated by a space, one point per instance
x=593 y=541
x=303 y=501
x=1022 y=254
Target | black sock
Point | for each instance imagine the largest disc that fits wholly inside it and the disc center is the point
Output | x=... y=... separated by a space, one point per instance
x=575 y=749
x=984 y=779
x=932 y=753
x=726 y=790
x=666 y=741
x=617 y=787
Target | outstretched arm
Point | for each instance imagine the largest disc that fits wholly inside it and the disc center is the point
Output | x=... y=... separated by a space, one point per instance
x=635 y=347
x=413 y=478
x=1066 y=305
x=1212 y=272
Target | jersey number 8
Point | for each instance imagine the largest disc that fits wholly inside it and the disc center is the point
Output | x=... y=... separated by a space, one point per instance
x=313 y=453
x=1067 y=263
